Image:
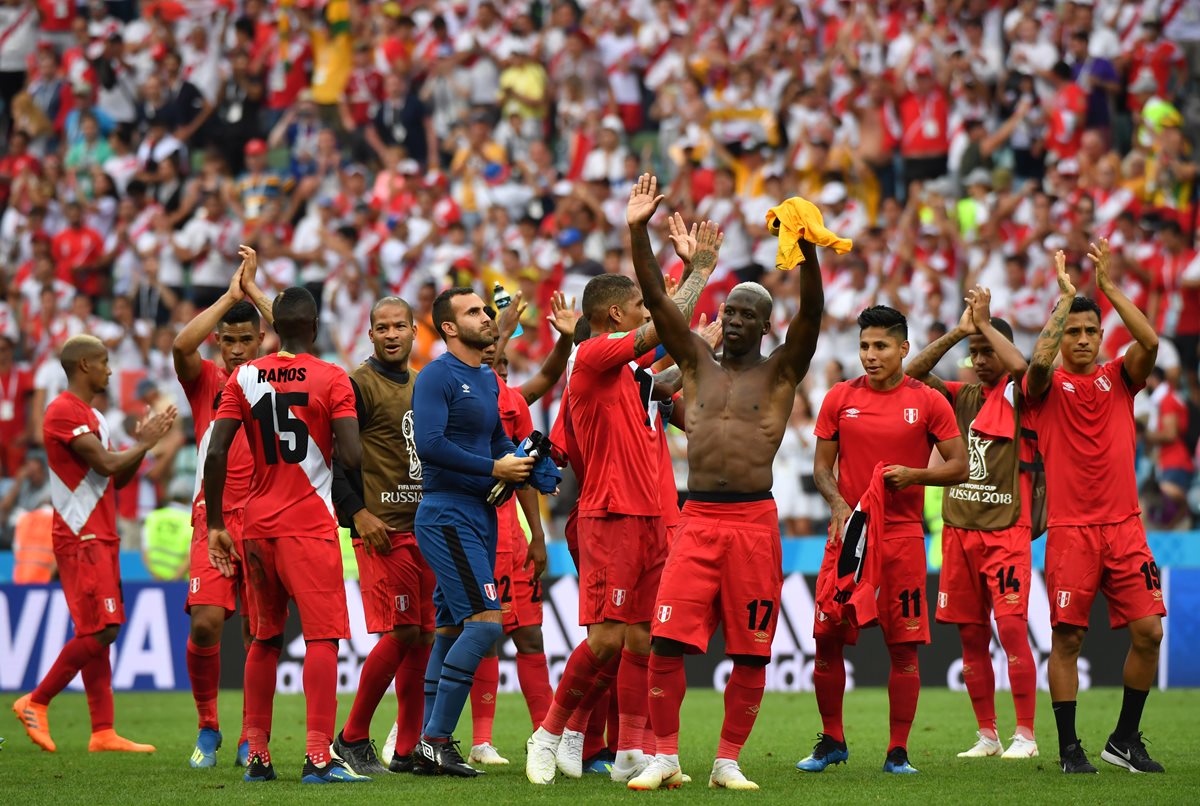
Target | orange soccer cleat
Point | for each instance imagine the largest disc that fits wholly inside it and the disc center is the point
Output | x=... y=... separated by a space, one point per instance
x=107 y=741
x=35 y=721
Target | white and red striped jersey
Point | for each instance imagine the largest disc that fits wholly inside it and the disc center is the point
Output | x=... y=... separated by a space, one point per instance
x=85 y=502
x=203 y=397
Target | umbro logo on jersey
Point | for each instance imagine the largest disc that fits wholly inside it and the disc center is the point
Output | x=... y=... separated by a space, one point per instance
x=618 y=596
x=466 y=389
x=1103 y=384
x=852 y=414
x=1068 y=387
x=911 y=415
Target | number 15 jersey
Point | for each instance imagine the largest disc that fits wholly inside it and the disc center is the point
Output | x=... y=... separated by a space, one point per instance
x=287 y=404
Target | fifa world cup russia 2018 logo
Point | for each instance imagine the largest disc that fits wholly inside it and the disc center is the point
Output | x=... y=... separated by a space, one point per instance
x=410 y=442
x=977 y=448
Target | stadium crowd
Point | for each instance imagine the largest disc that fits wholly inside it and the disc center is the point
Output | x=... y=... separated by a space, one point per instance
x=373 y=148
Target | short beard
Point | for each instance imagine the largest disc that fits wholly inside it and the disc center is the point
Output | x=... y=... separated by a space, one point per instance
x=477 y=341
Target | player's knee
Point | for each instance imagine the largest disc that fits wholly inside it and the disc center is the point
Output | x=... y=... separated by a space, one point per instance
x=750 y=661
x=667 y=648
x=485 y=631
x=108 y=634
x=207 y=625
x=409 y=635
x=528 y=640
x=275 y=642
x=606 y=640
x=1067 y=641
x=1146 y=635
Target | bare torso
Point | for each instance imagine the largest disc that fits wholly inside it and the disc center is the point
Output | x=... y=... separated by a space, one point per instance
x=736 y=417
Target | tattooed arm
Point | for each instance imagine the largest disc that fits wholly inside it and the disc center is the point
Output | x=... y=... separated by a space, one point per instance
x=1037 y=379
x=922 y=366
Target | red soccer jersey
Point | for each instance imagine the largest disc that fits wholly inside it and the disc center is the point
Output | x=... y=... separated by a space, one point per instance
x=618 y=439
x=514 y=412
x=897 y=427
x=1175 y=455
x=286 y=404
x=204 y=397
x=15 y=388
x=1086 y=436
x=85 y=506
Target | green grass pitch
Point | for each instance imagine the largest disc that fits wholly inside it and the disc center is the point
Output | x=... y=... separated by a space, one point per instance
x=784 y=733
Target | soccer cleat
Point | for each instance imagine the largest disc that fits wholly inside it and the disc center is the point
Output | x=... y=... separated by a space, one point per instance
x=358 y=756
x=443 y=758
x=36 y=721
x=403 y=762
x=826 y=752
x=599 y=764
x=242 y=758
x=726 y=774
x=541 y=752
x=205 y=752
x=486 y=753
x=333 y=771
x=1020 y=747
x=389 y=745
x=661 y=773
x=1073 y=760
x=570 y=753
x=897 y=762
x=258 y=770
x=107 y=741
x=984 y=748
x=1130 y=754
x=629 y=764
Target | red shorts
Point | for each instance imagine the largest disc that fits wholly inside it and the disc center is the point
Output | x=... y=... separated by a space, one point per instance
x=902 y=599
x=620 y=562
x=520 y=593
x=308 y=570
x=1114 y=559
x=90 y=573
x=725 y=565
x=397 y=587
x=207 y=586
x=984 y=572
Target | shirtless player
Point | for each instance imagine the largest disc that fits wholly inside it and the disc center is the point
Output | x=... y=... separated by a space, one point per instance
x=725 y=561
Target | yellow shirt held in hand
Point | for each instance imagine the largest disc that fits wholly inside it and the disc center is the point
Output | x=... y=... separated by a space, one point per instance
x=799 y=219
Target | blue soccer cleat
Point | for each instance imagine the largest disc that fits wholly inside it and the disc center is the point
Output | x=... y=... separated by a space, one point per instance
x=333 y=771
x=599 y=764
x=827 y=751
x=258 y=770
x=897 y=762
x=243 y=755
x=205 y=752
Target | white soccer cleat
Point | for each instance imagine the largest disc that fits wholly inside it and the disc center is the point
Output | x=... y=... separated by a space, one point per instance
x=726 y=774
x=983 y=748
x=661 y=773
x=540 y=753
x=629 y=764
x=570 y=753
x=1021 y=748
x=486 y=754
x=389 y=747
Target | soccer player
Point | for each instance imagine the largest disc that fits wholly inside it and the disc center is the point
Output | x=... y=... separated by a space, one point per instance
x=381 y=505
x=1095 y=542
x=85 y=472
x=292 y=406
x=986 y=557
x=621 y=535
x=885 y=417
x=213 y=597
x=519 y=562
x=725 y=558
x=463 y=449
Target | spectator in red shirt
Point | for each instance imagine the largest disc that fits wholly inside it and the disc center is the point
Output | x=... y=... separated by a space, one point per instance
x=1068 y=114
x=924 y=122
x=1168 y=430
x=78 y=249
x=16 y=385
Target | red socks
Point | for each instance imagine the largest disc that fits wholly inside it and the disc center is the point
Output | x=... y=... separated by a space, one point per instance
x=75 y=654
x=97 y=682
x=829 y=682
x=534 y=676
x=262 y=659
x=743 y=696
x=593 y=730
x=483 y=700
x=377 y=671
x=583 y=667
x=320 y=697
x=1022 y=672
x=204 y=670
x=632 y=679
x=978 y=674
x=410 y=696
x=582 y=717
x=667 y=683
x=904 y=687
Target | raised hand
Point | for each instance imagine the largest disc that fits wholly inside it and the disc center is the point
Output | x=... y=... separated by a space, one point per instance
x=510 y=316
x=643 y=200
x=708 y=244
x=154 y=427
x=683 y=240
x=979 y=300
x=249 y=267
x=562 y=317
x=966 y=322
x=236 y=292
x=1065 y=286
x=711 y=331
x=1102 y=257
x=670 y=285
